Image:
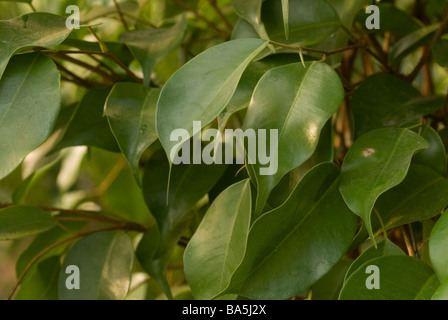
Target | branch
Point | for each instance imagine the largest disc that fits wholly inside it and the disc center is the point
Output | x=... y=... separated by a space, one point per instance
x=221 y=14
x=325 y=52
x=120 y=14
x=427 y=54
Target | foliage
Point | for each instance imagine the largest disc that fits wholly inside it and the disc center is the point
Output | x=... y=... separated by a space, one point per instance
x=90 y=174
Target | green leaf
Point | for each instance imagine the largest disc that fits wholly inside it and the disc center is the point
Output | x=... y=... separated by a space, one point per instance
x=438 y=242
x=395 y=102
x=24 y=221
x=310 y=21
x=411 y=42
x=131 y=112
x=440 y=51
x=285 y=11
x=217 y=247
x=201 y=89
x=442 y=291
x=43 y=283
x=435 y=156
x=330 y=285
x=152 y=45
x=30 y=91
x=376 y=162
x=401 y=278
x=297 y=102
x=384 y=248
x=293 y=246
x=88 y=127
x=25 y=1
x=37 y=29
x=250 y=11
x=105 y=263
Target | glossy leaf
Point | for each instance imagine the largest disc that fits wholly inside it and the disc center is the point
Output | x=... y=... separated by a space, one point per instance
x=131 y=112
x=310 y=21
x=330 y=285
x=217 y=247
x=297 y=102
x=149 y=46
x=43 y=283
x=88 y=127
x=30 y=102
x=105 y=263
x=440 y=51
x=401 y=278
x=438 y=243
x=250 y=11
x=383 y=100
x=411 y=42
x=376 y=162
x=201 y=89
x=24 y=221
x=37 y=29
x=285 y=11
x=435 y=156
x=314 y=223
x=383 y=249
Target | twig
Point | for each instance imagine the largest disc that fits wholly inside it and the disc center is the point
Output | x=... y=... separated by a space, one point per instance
x=74 y=77
x=427 y=54
x=407 y=241
x=120 y=14
x=325 y=52
x=54 y=245
x=32 y=7
x=198 y=15
x=221 y=14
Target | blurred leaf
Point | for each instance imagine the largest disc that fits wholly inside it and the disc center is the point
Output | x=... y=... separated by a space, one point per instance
x=37 y=29
x=30 y=91
x=376 y=162
x=442 y=291
x=440 y=51
x=201 y=89
x=24 y=221
x=411 y=42
x=297 y=102
x=314 y=223
x=131 y=111
x=285 y=11
x=88 y=127
x=217 y=247
x=105 y=263
x=396 y=102
x=152 y=45
x=401 y=278
x=42 y=284
x=438 y=244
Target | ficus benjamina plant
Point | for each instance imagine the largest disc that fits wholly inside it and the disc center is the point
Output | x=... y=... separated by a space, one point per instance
x=223 y=149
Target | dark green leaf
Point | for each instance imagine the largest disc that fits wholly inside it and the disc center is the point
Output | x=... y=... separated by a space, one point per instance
x=217 y=247
x=314 y=224
x=440 y=51
x=30 y=102
x=330 y=285
x=297 y=102
x=435 y=156
x=383 y=100
x=376 y=162
x=24 y=221
x=131 y=111
x=438 y=244
x=401 y=278
x=105 y=263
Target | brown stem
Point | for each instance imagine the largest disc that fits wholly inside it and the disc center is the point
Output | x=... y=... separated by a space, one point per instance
x=407 y=241
x=120 y=14
x=74 y=77
x=221 y=14
x=325 y=52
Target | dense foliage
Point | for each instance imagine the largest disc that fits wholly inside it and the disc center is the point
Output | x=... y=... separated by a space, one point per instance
x=343 y=197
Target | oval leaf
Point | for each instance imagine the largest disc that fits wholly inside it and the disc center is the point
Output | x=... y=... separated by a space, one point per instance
x=105 y=263
x=218 y=245
x=131 y=112
x=201 y=89
x=376 y=162
x=314 y=224
x=400 y=278
x=438 y=244
x=24 y=221
x=37 y=29
x=30 y=101
x=297 y=102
